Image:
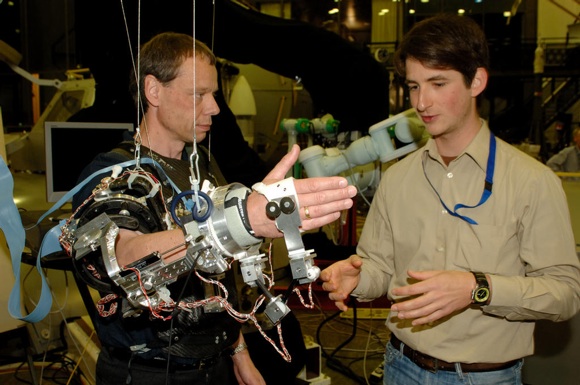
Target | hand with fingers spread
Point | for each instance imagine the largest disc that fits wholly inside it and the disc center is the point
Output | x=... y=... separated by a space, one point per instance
x=433 y=295
x=320 y=199
x=340 y=279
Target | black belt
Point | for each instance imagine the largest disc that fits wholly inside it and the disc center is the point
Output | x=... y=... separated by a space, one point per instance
x=433 y=364
x=174 y=363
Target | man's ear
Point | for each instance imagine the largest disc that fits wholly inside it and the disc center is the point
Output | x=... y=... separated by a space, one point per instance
x=479 y=81
x=151 y=85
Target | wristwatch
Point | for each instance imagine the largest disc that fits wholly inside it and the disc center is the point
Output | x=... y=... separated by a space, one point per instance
x=480 y=294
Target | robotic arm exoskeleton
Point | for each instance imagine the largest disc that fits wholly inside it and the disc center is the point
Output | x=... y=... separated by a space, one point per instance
x=215 y=235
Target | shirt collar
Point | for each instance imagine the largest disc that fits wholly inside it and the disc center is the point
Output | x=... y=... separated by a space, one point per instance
x=478 y=149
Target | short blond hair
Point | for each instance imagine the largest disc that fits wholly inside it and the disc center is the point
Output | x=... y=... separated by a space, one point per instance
x=162 y=56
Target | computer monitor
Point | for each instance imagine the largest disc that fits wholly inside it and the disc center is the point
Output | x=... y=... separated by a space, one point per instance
x=70 y=146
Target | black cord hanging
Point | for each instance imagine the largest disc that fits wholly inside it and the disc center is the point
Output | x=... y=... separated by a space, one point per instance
x=331 y=361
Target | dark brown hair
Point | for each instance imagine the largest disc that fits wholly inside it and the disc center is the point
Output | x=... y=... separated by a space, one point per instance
x=445 y=41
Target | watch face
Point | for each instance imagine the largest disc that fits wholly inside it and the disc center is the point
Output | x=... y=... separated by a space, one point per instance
x=481 y=295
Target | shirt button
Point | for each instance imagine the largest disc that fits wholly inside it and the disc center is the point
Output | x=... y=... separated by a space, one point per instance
x=449 y=175
x=443 y=211
x=440 y=248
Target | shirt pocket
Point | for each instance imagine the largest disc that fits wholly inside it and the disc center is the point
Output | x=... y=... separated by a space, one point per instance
x=488 y=248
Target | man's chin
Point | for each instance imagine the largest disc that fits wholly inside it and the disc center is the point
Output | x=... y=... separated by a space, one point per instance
x=200 y=136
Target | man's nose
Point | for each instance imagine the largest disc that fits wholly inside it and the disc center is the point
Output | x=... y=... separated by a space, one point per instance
x=212 y=107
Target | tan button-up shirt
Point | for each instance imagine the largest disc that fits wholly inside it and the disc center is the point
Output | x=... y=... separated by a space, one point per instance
x=523 y=239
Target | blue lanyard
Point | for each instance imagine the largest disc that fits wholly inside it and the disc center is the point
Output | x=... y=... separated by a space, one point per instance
x=486 y=188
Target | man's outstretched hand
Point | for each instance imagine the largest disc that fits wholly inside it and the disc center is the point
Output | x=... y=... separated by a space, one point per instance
x=323 y=197
x=340 y=279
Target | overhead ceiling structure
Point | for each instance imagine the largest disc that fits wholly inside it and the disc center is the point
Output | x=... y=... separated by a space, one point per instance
x=341 y=79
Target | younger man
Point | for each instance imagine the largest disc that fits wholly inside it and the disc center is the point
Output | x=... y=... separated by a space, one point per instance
x=469 y=237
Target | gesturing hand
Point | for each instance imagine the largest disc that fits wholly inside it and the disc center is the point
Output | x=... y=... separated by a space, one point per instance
x=437 y=294
x=340 y=279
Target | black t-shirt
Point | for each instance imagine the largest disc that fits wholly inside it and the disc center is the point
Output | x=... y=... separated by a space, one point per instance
x=194 y=332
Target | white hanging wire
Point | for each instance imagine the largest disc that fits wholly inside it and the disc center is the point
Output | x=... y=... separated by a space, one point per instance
x=137 y=71
x=194 y=177
x=211 y=47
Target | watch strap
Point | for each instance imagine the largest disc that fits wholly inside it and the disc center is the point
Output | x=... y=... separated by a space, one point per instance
x=241 y=347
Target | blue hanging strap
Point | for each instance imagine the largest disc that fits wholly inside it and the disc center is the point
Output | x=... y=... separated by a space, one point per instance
x=490 y=170
x=11 y=224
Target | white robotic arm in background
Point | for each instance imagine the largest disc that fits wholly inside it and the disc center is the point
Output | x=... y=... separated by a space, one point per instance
x=378 y=145
x=326 y=126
